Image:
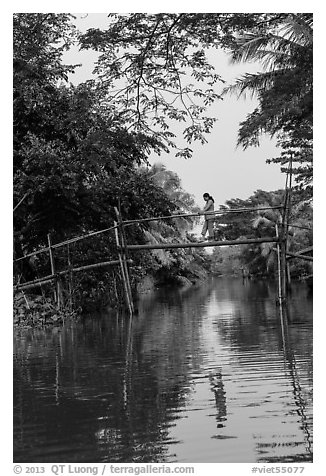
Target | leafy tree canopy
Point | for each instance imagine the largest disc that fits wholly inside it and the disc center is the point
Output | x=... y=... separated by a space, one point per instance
x=261 y=259
x=146 y=61
x=73 y=159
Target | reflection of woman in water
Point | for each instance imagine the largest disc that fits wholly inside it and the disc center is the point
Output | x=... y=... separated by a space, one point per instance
x=209 y=219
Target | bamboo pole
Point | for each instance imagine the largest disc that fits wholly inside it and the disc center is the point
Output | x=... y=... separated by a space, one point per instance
x=29 y=255
x=216 y=212
x=83 y=237
x=51 y=277
x=70 y=284
x=298 y=255
x=63 y=243
x=282 y=308
x=124 y=254
x=309 y=228
x=305 y=250
x=56 y=294
x=283 y=240
x=283 y=266
x=162 y=246
x=23 y=287
x=279 y=275
x=285 y=263
x=124 y=278
x=48 y=278
x=21 y=201
x=97 y=265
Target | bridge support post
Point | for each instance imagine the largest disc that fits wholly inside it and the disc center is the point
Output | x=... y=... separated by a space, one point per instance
x=58 y=297
x=121 y=245
x=281 y=267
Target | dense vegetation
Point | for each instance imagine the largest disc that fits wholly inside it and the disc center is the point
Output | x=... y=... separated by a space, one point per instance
x=80 y=151
x=260 y=260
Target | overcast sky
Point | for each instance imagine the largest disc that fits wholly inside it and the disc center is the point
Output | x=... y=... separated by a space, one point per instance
x=218 y=167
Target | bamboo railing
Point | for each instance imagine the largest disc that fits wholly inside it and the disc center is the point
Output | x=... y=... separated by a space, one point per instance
x=64 y=243
x=51 y=277
x=290 y=255
x=163 y=246
x=55 y=276
x=198 y=214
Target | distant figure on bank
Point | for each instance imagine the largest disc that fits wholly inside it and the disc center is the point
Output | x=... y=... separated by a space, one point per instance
x=209 y=219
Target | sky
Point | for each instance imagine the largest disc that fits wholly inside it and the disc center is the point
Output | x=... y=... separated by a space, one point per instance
x=218 y=167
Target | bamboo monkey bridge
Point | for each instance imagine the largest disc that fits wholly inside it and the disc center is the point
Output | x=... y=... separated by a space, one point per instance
x=123 y=249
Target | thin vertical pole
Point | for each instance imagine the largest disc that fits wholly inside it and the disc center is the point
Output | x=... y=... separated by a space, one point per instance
x=290 y=173
x=283 y=263
x=125 y=263
x=69 y=278
x=290 y=189
x=124 y=254
x=56 y=294
x=280 y=285
x=123 y=272
x=286 y=278
x=279 y=275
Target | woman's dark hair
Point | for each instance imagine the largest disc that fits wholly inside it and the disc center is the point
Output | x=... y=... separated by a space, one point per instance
x=209 y=196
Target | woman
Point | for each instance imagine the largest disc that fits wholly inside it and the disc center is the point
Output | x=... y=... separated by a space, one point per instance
x=209 y=218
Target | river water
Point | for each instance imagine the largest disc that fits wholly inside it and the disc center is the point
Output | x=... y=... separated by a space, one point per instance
x=206 y=374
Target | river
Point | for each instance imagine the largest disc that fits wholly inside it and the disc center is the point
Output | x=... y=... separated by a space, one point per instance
x=204 y=374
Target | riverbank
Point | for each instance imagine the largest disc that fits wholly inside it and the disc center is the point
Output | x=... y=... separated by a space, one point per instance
x=34 y=310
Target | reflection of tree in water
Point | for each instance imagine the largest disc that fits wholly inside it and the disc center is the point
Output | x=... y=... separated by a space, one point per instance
x=106 y=390
x=220 y=397
x=109 y=406
x=254 y=319
x=167 y=333
x=177 y=299
x=103 y=389
x=164 y=338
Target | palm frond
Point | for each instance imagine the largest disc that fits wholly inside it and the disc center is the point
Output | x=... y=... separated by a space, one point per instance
x=162 y=229
x=154 y=237
x=271 y=48
x=162 y=256
x=247 y=46
x=252 y=83
x=273 y=60
x=298 y=30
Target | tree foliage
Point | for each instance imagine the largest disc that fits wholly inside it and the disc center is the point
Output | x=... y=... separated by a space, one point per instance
x=80 y=151
x=175 y=265
x=72 y=159
x=260 y=259
x=284 y=88
x=145 y=64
